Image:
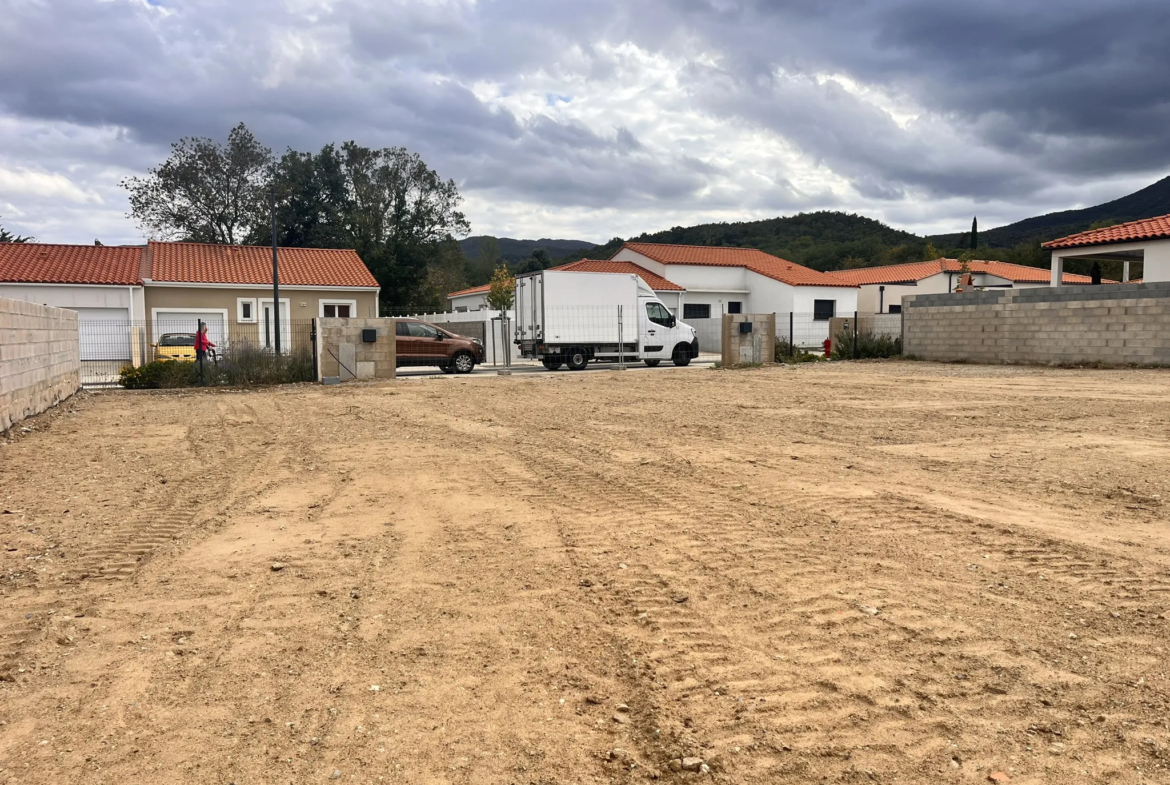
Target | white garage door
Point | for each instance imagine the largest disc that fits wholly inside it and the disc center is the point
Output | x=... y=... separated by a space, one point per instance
x=105 y=333
x=188 y=322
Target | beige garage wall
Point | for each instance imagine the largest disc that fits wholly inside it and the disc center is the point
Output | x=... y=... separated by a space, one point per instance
x=40 y=359
x=303 y=303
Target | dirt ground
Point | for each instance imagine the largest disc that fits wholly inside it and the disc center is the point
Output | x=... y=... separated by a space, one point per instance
x=888 y=572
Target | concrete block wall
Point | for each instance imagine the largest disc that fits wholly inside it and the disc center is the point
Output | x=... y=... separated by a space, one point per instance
x=40 y=359
x=1108 y=324
x=341 y=351
x=757 y=346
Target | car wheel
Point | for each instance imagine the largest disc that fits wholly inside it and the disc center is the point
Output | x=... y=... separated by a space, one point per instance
x=577 y=360
x=552 y=365
x=463 y=362
x=682 y=355
x=652 y=363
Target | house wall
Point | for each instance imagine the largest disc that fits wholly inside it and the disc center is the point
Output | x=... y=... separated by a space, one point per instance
x=303 y=303
x=40 y=359
x=867 y=298
x=469 y=302
x=79 y=296
x=1116 y=324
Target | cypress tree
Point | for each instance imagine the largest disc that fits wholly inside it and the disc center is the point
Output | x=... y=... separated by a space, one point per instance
x=975 y=233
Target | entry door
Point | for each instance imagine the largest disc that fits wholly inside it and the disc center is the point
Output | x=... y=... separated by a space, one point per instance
x=656 y=334
x=268 y=328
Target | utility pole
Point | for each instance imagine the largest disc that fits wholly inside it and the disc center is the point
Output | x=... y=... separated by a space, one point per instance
x=275 y=274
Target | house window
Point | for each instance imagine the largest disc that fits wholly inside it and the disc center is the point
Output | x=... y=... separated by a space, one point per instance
x=895 y=309
x=696 y=311
x=824 y=310
x=338 y=309
x=734 y=307
x=245 y=310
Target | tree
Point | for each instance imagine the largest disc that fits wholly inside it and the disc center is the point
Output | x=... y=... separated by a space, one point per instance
x=975 y=233
x=446 y=273
x=539 y=260
x=930 y=253
x=502 y=293
x=206 y=191
x=313 y=204
x=8 y=237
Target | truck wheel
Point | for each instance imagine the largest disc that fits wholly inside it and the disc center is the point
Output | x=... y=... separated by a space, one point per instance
x=463 y=363
x=682 y=355
x=652 y=363
x=577 y=360
x=552 y=365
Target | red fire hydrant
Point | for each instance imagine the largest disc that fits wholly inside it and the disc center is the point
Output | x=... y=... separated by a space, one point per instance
x=828 y=348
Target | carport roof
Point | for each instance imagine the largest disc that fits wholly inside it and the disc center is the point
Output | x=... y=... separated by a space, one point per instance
x=1145 y=229
x=114 y=265
x=893 y=274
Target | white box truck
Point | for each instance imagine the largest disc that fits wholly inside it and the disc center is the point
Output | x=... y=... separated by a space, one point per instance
x=566 y=318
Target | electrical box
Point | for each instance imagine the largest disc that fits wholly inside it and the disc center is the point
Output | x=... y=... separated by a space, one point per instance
x=369 y=336
x=745 y=327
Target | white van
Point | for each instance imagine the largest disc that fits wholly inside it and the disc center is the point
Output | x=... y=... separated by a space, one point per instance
x=568 y=318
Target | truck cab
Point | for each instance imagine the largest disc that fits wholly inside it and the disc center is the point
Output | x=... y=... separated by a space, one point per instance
x=662 y=336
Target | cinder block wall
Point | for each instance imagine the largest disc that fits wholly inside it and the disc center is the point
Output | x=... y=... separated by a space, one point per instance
x=341 y=351
x=758 y=346
x=40 y=359
x=1110 y=324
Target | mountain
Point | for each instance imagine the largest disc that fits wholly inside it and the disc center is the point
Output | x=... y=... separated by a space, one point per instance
x=518 y=250
x=1151 y=201
x=823 y=240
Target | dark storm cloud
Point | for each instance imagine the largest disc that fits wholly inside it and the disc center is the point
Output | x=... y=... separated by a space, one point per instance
x=1007 y=99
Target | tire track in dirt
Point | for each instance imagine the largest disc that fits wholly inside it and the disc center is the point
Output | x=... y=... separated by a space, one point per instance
x=805 y=693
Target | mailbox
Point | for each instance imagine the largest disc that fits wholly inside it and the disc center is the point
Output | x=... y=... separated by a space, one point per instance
x=745 y=327
x=369 y=336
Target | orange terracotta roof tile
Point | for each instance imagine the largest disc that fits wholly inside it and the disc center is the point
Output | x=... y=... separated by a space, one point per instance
x=1145 y=229
x=487 y=287
x=722 y=256
x=76 y=264
x=248 y=264
x=656 y=282
x=893 y=274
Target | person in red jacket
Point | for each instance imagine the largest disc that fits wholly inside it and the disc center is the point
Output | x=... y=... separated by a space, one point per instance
x=202 y=344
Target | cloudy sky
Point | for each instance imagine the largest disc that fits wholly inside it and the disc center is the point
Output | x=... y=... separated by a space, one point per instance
x=594 y=118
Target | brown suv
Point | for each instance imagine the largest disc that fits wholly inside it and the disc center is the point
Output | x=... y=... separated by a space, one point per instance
x=419 y=343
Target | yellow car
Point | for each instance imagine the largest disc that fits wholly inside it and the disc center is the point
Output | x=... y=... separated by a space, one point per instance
x=175 y=346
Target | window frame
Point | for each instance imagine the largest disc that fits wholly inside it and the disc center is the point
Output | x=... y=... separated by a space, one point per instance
x=688 y=315
x=897 y=309
x=327 y=301
x=817 y=317
x=246 y=301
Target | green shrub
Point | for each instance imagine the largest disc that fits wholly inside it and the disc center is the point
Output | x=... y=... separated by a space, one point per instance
x=788 y=355
x=240 y=366
x=160 y=374
x=869 y=346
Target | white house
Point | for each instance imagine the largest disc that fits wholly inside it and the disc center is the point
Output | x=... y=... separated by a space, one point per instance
x=671 y=294
x=1146 y=241
x=718 y=280
x=882 y=288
